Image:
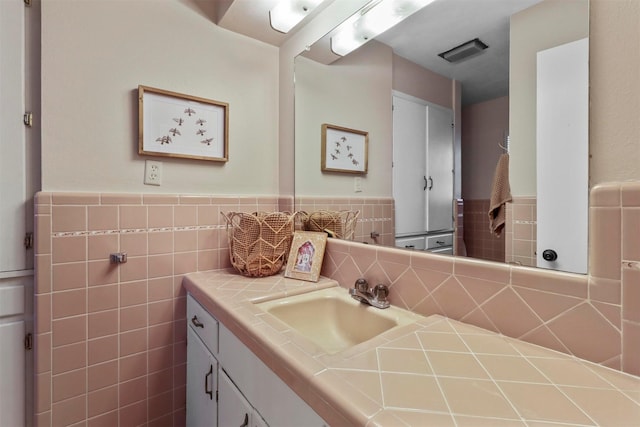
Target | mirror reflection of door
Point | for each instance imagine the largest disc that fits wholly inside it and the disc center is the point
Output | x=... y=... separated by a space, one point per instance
x=422 y=173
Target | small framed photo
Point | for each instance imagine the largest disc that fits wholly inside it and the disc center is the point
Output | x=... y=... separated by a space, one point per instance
x=172 y=124
x=306 y=255
x=344 y=150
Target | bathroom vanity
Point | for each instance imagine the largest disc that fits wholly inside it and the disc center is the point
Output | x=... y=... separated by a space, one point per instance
x=423 y=371
x=239 y=390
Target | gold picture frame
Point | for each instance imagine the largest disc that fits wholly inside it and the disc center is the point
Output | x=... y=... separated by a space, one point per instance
x=344 y=150
x=172 y=124
x=306 y=255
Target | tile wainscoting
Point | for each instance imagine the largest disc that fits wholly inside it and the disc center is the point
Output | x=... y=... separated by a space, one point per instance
x=376 y=215
x=110 y=340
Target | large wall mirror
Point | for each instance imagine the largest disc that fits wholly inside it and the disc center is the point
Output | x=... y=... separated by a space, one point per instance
x=492 y=105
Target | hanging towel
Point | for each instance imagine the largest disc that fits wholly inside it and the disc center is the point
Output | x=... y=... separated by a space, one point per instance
x=500 y=195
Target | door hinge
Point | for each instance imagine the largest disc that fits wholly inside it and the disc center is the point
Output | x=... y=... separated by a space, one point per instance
x=28 y=240
x=216 y=395
x=27 y=3
x=27 y=119
x=28 y=341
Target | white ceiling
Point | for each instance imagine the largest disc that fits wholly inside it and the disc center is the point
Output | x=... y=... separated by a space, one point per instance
x=436 y=28
x=251 y=18
x=445 y=24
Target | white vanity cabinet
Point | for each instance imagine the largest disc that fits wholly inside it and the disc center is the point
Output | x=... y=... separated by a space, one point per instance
x=202 y=366
x=235 y=410
x=202 y=383
x=228 y=385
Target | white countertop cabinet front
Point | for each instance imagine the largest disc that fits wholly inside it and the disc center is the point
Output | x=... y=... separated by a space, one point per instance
x=202 y=383
x=229 y=386
x=234 y=409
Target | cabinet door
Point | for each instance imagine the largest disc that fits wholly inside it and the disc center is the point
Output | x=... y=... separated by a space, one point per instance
x=13 y=185
x=202 y=376
x=439 y=169
x=12 y=373
x=409 y=175
x=233 y=408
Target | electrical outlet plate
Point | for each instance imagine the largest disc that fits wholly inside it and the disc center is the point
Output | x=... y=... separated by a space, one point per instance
x=152 y=172
x=357 y=185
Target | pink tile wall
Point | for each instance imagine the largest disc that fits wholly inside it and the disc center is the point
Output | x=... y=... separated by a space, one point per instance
x=521 y=231
x=594 y=316
x=110 y=339
x=480 y=243
x=375 y=215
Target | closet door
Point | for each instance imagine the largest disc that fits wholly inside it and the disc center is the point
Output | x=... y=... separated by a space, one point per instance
x=13 y=185
x=440 y=168
x=409 y=174
x=16 y=276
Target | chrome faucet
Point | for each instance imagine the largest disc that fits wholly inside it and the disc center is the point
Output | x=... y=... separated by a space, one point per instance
x=376 y=296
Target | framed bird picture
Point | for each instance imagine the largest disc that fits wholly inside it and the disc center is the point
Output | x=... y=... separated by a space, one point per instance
x=172 y=124
x=344 y=149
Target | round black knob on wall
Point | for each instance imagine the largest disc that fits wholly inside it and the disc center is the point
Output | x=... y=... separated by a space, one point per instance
x=549 y=255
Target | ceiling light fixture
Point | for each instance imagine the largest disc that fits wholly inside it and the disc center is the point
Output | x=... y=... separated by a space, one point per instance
x=464 y=51
x=373 y=19
x=288 y=13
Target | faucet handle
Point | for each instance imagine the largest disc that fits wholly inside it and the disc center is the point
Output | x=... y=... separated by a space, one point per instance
x=380 y=292
x=362 y=285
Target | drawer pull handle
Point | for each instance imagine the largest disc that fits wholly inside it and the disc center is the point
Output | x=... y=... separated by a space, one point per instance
x=246 y=421
x=440 y=242
x=196 y=322
x=207 y=389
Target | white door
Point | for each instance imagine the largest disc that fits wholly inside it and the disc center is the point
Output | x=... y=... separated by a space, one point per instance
x=13 y=185
x=562 y=156
x=440 y=168
x=409 y=174
x=202 y=383
x=16 y=274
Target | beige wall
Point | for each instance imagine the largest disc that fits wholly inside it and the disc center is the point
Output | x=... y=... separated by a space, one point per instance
x=92 y=66
x=417 y=81
x=353 y=92
x=614 y=132
x=483 y=125
x=335 y=13
x=545 y=25
x=96 y=53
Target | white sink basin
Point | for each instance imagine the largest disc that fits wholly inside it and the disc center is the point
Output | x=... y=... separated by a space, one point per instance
x=333 y=320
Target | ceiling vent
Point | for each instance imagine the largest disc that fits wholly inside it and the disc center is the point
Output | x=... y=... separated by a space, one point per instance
x=463 y=51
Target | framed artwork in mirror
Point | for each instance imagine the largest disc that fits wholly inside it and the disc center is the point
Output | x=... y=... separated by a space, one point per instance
x=306 y=255
x=172 y=124
x=344 y=149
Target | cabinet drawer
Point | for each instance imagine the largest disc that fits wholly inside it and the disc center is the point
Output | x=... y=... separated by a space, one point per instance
x=203 y=324
x=416 y=243
x=439 y=240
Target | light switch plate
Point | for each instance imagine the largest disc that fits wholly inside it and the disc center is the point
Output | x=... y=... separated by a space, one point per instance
x=357 y=184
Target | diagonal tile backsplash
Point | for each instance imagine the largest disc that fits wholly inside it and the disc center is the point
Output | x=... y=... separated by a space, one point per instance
x=594 y=317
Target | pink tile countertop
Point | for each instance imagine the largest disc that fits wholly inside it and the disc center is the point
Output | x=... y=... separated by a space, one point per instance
x=436 y=371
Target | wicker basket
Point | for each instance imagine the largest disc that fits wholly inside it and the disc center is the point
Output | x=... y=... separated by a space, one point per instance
x=342 y=224
x=259 y=242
